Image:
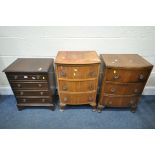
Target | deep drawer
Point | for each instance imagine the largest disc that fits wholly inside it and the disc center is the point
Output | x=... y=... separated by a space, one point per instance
x=119 y=101
x=77 y=72
x=78 y=98
x=125 y=75
x=123 y=88
x=30 y=85
x=77 y=86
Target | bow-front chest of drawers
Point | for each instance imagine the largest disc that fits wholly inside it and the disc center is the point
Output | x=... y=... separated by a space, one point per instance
x=32 y=81
x=77 y=77
x=124 y=78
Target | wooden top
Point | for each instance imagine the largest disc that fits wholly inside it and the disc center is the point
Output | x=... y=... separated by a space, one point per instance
x=125 y=61
x=30 y=65
x=77 y=57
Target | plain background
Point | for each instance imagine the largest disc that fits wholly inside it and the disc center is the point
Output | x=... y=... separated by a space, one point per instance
x=77 y=13
x=46 y=41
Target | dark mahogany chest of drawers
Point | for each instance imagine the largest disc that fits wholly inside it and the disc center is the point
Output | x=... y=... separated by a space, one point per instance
x=77 y=77
x=32 y=81
x=124 y=78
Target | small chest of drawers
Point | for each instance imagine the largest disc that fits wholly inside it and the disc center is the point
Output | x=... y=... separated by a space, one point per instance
x=123 y=81
x=77 y=77
x=32 y=81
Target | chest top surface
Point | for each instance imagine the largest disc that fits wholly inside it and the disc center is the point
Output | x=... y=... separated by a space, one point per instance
x=30 y=65
x=77 y=57
x=125 y=61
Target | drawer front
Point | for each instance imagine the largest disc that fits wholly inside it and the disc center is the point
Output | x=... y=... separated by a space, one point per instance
x=27 y=77
x=31 y=93
x=77 y=72
x=123 y=88
x=122 y=75
x=30 y=85
x=80 y=98
x=119 y=101
x=34 y=100
x=77 y=86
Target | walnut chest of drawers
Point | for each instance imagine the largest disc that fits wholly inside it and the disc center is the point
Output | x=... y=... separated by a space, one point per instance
x=124 y=78
x=32 y=81
x=77 y=77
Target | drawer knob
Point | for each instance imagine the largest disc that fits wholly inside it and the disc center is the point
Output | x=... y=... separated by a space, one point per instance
x=141 y=76
x=113 y=90
x=39 y=85
x=18 y=85
x=90 y=98
x=64 y=87
x=41 y=93
x=24 y=100
x=16 y=77
x=21 y=93
x=43 y=100
x=65 y=99
x=63 y=74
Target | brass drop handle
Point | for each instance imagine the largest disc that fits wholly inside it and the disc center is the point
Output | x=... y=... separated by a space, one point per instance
x=116 y=75
x=24 y=100
x=110 y=102
x=65 y=99
x=92 y=74
x=41 y=93
x=21 y=93
x=63 y=74
x=90 y=98
x=113 y=90
x=16 y=77
x=18 y=85
x=43 y=100
x=64 y=87
x=91 y=86
x=141 y=76
x=39 y=85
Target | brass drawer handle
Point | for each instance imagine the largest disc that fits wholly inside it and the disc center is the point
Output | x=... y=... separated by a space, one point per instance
x=113 y=90
x=110 y=102
x=116 y=75
x=24 y=100
x=63 y=74
x=65 y=99
x=39 y=85
x=64 y=87
x=18 y=85
x=16 y=77
x=43 y=100
x=141 y=76
x=41 y=93
x=92 y=74
x=135 y=90
x=91 y=87
x=21 y=93
x=90 y=98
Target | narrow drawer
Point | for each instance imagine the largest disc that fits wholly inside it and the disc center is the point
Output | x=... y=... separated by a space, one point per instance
x=31 y=93
x=33 y=77
x=30 y=85
x=34 y=100
x=77 y=72
x=78 y=98
x=123 y=88
x=119 y=101
x=125 y=75
x=77 y=86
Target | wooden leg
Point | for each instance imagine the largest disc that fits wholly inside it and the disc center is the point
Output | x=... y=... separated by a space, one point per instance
x=100 y=108
x=133 y=108
x=62 y=107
